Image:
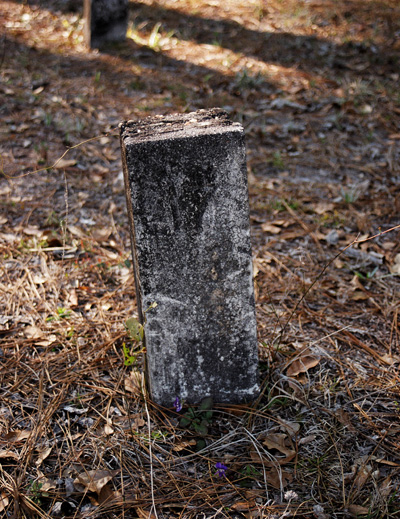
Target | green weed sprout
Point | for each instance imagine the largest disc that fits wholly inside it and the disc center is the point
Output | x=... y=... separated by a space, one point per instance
x=135 y=332
x=200 y=418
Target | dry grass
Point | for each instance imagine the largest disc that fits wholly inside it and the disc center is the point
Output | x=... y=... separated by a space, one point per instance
x=318 y=97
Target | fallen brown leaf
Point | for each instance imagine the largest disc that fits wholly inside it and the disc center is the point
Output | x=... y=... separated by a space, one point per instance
x=4 y=501
x=64 y=163
x=279 y=478
x=107 y=494
x=9 y=455
x=269 y=227
x=95 y=480
x=359 y=295
x=302 y=364
x=47 y=484
x=387 y=462
x=33 y=332
x=101 y=235
x=344 y=418
x=282 y=443
x=43 y=454
x=49 y=340
x=183 y=445
x=357 y=510
x=323 y=207
x=307 y=439
x=33 y=231
x=72 y=298
x=386 y=487
x=17 y=436
x=243 y=506
x=291 y=428
x=390 y=359
x=389 y=245
x=139 y=422
x=363 y=475
x=395 y=266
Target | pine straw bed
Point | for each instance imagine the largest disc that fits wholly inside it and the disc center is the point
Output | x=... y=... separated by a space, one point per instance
x=81 y=438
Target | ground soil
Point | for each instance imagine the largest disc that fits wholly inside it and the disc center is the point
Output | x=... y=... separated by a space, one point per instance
x=316 y=86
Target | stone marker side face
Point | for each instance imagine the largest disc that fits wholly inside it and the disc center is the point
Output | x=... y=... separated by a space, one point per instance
x=188 y=204
x=105 y=21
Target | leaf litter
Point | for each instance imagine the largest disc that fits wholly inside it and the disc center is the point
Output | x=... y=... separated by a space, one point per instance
x=315 y=85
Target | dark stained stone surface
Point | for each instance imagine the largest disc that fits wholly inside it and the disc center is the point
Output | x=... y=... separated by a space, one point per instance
x=105 y=21
x=186 y=186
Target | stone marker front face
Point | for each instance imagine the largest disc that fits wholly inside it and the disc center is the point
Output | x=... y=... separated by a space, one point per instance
x=105 y=21
x=187 y=197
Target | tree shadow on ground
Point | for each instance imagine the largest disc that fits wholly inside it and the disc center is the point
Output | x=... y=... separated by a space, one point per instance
x=63 y=6
x=151 y=71
x=307 y=53
x=136 y=79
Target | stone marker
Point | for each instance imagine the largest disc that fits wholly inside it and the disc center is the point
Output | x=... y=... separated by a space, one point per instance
x=105 y=21
x=186 y=187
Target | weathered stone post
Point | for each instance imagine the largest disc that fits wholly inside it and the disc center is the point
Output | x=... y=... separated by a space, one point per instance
x=187 y=197
x=105 y=21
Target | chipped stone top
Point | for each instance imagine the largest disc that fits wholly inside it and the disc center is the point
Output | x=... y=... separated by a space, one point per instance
x=177 y=126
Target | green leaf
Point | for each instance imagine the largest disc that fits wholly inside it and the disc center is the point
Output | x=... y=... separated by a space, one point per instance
x=191 y=413
x=134 y=329
x=207 y=415
x=129 y=359
x=360 y=275
x=200 y=444
x=201 y=428
x=184 y=421
x=206 y=404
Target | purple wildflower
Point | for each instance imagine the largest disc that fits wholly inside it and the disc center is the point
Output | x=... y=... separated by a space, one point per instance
x=177 y=404
x=221 y=469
